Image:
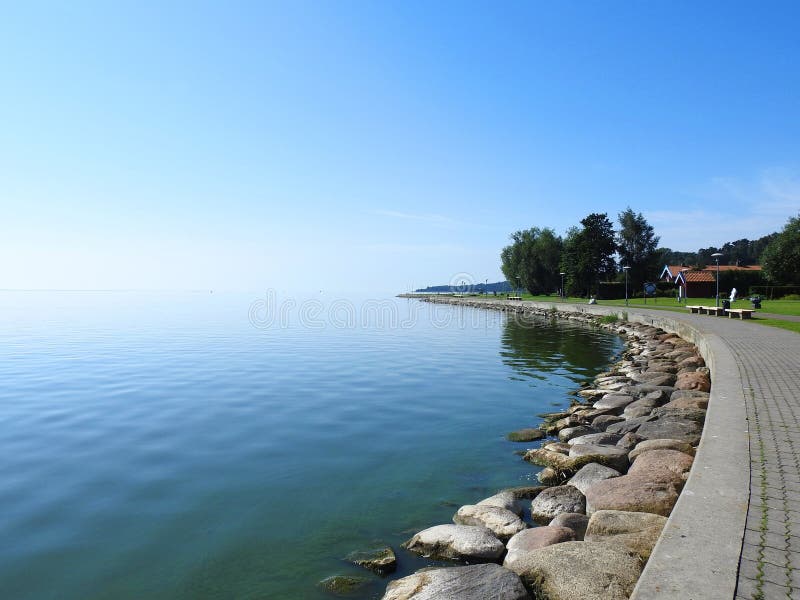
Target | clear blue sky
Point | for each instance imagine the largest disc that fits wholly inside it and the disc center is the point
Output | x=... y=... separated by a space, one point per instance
x=377 y=145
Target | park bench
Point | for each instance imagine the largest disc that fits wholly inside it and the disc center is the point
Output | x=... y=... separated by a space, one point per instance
x=694 y=309
x=515 y=297
x=712 y=310
x=742 y=313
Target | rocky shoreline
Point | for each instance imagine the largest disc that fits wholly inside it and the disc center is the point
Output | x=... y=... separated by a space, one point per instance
x=614 y=464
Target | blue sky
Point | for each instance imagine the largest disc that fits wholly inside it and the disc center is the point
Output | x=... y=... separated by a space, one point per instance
x=374 y=146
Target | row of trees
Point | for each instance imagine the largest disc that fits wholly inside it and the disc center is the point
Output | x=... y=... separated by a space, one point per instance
x=587 y=254
x=741 y=252
x=781 y=258
x=596 y=252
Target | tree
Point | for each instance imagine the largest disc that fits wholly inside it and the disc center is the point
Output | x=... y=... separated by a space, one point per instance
x=781 y=258
x=532 y=260
x=588 y=255
x=636 y=246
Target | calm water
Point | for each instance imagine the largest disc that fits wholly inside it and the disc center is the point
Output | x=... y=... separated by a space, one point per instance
x=162 y=446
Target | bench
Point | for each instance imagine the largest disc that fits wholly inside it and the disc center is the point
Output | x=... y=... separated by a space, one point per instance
x=717 y=311
x=694 y=309
x=742 y=313
x=515 y=297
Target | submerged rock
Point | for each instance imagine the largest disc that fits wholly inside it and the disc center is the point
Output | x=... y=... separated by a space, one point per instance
x=379 y=560
x=473 y=582
x=525 y=435
x=342 y=584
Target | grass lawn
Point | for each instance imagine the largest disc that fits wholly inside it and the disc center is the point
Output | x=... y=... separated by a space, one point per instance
x=779 y=307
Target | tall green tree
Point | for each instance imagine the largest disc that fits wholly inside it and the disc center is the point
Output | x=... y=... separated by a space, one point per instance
x=781 y=258
x=636 y=246
x=588 y=256
x=532 y=260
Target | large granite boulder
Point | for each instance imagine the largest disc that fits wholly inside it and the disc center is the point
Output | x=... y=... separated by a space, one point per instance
x=500 y=521
x=504 y=499
x=663 y=463
x=535 y=538
x=610 y=456
x=567 y=434
x=633 y=493
x=628 y=441
x=596 y=438
x=603 y=421
x=473 y=582
x=659 y=365
x=562 y=466
x=637 y=407
x=457 y=542
x=637 y=531
x=695 y=380
x=688 y=402
x=580 y=571
x=524 y=492
x=654 y=378
x=691 y=363
x=557 y=500
x=671 y=428
x=575 y=521
x=682 y=414
x=660 y=444
x=615 y=402
x=591 y=473
x=630 y=425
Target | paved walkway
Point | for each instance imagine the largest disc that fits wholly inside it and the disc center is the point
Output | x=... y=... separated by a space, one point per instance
x=769 y=366
x=755 y=415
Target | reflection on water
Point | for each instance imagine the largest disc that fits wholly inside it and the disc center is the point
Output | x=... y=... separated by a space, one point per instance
x=536 y=347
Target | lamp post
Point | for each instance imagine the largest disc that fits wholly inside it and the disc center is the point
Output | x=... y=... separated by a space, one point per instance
x=563 y=295
x=626 y=284
x=716 y=256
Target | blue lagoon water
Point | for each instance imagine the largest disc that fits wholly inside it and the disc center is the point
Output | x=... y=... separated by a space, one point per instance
x=200 y=445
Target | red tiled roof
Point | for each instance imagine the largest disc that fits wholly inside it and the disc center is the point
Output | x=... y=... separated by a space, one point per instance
x=733 y=268
x=699 y=276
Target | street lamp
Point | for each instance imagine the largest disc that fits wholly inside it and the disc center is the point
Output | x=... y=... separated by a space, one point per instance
x=626 y=284
x=563 y=295
x=716 y=256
